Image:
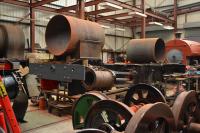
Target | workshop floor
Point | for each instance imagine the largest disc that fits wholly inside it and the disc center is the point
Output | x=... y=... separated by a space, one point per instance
x=40 y=121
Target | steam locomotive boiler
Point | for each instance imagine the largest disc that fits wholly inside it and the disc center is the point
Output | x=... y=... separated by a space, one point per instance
x=183 y=51
x=70 y=40
x=147 y=61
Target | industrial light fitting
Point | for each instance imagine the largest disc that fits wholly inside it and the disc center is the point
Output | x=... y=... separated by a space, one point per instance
x=137 y=14
x=156 y=23
x=119 y=29
x=125 y=17
x=105 y=26
x=110 y=6
x=168 y=27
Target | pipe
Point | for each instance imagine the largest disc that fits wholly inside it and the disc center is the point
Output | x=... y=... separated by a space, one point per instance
x=12 y=42
x=104 y=79
x=146 y=50
x=98 y=79
x=64 y=33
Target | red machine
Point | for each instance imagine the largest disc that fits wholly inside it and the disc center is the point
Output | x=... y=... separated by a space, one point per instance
x=8 y=90
x=48 y=84
x=183 y=51
x=6 y=113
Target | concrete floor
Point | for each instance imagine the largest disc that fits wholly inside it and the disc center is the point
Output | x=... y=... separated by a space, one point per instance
x=40 y=121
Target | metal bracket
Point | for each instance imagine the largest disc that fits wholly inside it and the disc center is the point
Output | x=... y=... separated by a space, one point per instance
x=90 y=49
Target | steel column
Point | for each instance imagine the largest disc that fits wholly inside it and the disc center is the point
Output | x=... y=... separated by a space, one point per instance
x=81 y=10
x=175 y=17
x=143 y=27
x=96 y=9
x=32 y=28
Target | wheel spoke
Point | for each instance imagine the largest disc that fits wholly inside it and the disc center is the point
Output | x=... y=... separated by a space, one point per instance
x=143 y=93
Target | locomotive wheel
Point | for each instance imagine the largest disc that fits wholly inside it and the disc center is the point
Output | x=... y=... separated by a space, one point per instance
x=143 y=93
x=82 y=105
x=114 y=113
x=152 y=118
x=186 y=110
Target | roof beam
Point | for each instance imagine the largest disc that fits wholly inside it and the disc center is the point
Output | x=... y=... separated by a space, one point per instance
x=133 y=8
x=124 y=5
x=132 y=22
x=27 y=5
x=99 y=11
x=113 y=16
x=119 y=3
x=42 y=2
x=185 y=11
x=159 y=17
x=196 y=9
x=74 y=7
x=15 y=2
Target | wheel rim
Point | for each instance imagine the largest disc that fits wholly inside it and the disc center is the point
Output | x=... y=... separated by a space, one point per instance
x=154 y=118
x=185 y=110
x=82 y=106
x=143 y=93
x=111 y=112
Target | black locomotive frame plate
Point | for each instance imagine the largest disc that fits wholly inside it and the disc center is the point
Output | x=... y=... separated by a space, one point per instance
x=59 y=72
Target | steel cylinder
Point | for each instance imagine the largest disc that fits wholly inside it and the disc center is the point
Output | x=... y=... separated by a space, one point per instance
x=98 y=79
x=179 y=50
x=145 y=50
x=12 y=42
x=64 y=33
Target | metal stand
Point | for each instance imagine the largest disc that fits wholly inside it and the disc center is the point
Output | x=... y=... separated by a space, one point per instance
x=63 y=104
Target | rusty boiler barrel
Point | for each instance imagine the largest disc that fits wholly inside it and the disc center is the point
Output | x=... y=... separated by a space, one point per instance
x=64 y=33
x=98 y=79
x=146 y=50
x=12 y=41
